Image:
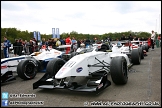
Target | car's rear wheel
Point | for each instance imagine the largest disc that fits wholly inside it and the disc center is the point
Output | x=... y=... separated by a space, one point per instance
x=147 y=47
x=141 y=53
x=135 y=56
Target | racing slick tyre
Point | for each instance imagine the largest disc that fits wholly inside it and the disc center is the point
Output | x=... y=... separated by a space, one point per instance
x=141 y=53
x=119 y=70
x=143 y=47
x=135 y=56
x=27 y=69
x=54 y=66
x=146 y=47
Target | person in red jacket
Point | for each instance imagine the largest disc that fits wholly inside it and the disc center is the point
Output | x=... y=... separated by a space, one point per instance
x=149 y=42
x=68 y=42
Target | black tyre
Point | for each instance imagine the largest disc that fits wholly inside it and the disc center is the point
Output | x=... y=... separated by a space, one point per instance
x=119 y=70
x=147 y=47
x=143 y=47
x=54 y=66
x=135 y=56
x=141 y=53
x=27 y=69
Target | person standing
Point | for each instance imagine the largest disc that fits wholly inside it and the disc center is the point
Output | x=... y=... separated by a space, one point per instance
x=122 y=37
x=20 y=47
x=159 y=38
x=68 y=42
x=153 y=35
x=109 y=39
x=6 y=45
x=2 y=52
x=62 y=41
x=44 y=42
x=58 y=43
x=78 y=43
x=31 y=45
x=87 y=42
x=53 y=40
x=26 y=48
x=74 y=44
x=130 y=38
x=35 y=42
x=15 y=47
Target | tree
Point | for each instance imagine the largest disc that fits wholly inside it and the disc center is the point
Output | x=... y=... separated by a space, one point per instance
x=13 y=33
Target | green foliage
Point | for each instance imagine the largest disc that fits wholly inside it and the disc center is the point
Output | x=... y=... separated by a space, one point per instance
x=13 y=33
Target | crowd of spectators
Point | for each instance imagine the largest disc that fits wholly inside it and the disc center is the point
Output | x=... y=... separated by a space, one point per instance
x=28 y=47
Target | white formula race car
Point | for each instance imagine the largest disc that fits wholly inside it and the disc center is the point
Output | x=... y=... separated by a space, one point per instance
x=125 y=47
x=27 y=66
x=143 y=44
x=92 y=65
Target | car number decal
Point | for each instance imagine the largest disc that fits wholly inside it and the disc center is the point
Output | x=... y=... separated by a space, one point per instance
x=70 y=64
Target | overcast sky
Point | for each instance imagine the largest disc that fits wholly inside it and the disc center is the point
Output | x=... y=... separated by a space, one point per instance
x=86 y=17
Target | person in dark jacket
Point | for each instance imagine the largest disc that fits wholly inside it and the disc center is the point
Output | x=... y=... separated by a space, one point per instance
x=20 y=47
x=130 y=38
x=87 y=42
x=78 y=43
x=31 y=45
x=6 y=45
x=15 y=47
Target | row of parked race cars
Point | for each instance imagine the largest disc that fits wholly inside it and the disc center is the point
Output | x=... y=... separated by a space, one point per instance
x=94 y=62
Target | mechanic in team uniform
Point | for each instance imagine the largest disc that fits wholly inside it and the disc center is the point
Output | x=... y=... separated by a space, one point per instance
x=6 y=45
x=68 y=42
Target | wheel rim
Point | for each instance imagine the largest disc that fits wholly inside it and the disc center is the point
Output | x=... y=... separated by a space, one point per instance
x=29 y=70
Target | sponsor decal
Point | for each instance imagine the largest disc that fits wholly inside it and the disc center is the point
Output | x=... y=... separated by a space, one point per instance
x=79 y=69
x=35 y=64
x=3 y=67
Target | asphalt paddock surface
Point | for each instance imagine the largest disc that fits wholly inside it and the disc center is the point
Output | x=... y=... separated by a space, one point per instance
x=142 y=89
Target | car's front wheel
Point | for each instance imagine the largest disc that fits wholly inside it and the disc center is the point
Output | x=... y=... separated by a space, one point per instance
x=119 y=70
x=27 y=69
x=54 y=66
